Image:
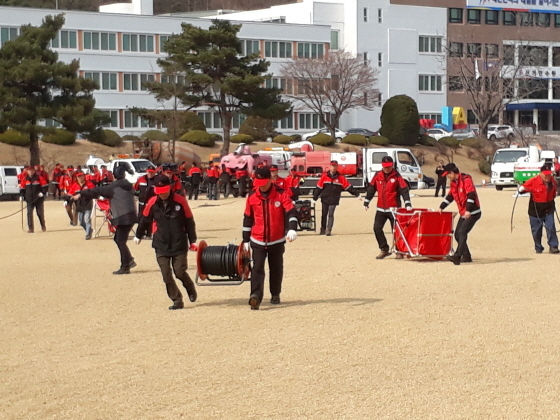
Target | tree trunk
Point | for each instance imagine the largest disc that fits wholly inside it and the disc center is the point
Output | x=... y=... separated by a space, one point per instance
x=226 y=124
x=34 y=155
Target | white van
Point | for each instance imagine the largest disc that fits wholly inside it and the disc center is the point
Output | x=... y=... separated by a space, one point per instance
x=9 y=186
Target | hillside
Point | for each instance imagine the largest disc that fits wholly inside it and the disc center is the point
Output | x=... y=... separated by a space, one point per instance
x=160 y=6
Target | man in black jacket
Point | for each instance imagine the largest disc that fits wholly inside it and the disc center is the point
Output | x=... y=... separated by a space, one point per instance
x=33 y=189
x=123 y=213
x=174 y=231
x=441 y=180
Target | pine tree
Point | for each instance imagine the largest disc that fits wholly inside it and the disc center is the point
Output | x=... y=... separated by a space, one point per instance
x=35 y=85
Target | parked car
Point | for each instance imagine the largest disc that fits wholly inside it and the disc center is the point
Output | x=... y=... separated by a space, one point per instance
x=429 y=182
x=362 y=131
x=463 y=134
x=496 y=132
x=339 y=134
x=438 y=133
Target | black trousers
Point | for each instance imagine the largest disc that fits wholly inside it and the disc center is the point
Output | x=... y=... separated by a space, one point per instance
x=378 y=225
x=121 y=237
x=141 y=207
x=464 y=226
x=39 y=206
x=327 y=216
x=242 y=186
x=212 y=191
x=193 y=191
x=179 y=265
x=275 y=254
x=441 y=183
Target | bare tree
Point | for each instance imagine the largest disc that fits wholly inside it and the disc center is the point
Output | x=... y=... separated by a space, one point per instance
x=493 y=76
x=331 y=85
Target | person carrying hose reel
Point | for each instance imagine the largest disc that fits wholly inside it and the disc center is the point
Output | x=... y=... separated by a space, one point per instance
x=264 y=230
x=174 y=230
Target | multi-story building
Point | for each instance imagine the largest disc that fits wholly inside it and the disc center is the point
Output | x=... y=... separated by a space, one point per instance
x=119 y=48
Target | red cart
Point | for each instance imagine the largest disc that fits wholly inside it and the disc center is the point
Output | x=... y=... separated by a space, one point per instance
x=423 y=233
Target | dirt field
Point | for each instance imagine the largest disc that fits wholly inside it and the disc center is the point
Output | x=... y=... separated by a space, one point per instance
x=355 y=338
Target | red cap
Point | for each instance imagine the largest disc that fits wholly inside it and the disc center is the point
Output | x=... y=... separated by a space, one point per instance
x=546 y=172
x=150 y=170
x=386 y=164
x=162 y=190
x=334 y=163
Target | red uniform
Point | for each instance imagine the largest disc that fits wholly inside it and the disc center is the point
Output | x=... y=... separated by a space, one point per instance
x=463 y=192
x=195 y=170
x=388 y=188
x=292 y=186
x=330 y=187
x=280 y=183
x=104 y=177
x=542 y=196
x=65 y=182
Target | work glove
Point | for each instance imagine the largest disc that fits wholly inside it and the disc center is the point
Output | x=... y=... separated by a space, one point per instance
x=408 y=208
x=21 y=198
x=521 y=189
x=137 y=240
x=314 y=201
x=65 y=203
x=193 y=247
x=359 y=196
x=40 y=195
x=246 y=246
x=291 y=235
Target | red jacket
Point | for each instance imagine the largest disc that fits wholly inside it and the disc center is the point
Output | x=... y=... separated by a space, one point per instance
x=463 y=192
x=65 y=182
x=195 y=170
x=542 y=196
x=31 y=186
x=55 y=175
x=176 y=186
x=241 y=173
x=280 y=183
x=264 y=223
x=389 y=188
x=292 y=185
x=83 y=204
x=104 y=177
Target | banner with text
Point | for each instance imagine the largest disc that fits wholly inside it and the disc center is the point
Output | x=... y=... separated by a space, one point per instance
x=542 y=6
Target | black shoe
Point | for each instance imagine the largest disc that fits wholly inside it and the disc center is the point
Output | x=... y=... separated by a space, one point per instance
x=465 y=259
x=275 y=300
x=122 y=270
x=538 y=252
x=554 y=250
x=88 y=237
x=322 y=232
x=254 y=302
x=193 y=296
x=455 y=259
x=399 y=256
x=382 y=255
x=329 y=232
x=132 y=264
x=30 y=231
x=175 y=306
x=44 y=229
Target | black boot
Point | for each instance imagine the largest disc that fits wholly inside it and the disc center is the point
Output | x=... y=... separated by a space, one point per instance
x=322 y=232
x=329 y=232
x=122 y=270
x=455 y=259
x=177 y=305
x=254 y=302
x=275 y=300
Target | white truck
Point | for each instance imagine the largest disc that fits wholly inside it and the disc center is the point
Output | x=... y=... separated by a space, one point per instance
x=135 y=168
x=367 y=164
x=9 y=185
x=503 y=165
x=280 y=156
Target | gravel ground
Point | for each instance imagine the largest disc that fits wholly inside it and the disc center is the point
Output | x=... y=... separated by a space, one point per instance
x=356 y=338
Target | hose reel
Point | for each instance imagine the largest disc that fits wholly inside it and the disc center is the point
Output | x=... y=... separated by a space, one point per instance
x=228 y=265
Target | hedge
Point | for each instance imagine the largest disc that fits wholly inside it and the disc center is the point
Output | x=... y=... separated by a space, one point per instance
x=450 y=142
x=155 y=135
x=473 y=142
x=296 y=137
x=484 y=167
x=355 y=139
x=260 y=129
x=400 y=120
x=199 y=137
x=282 y=139
x=241 y=138
x=107 y=137
x=130 y=137
x=15 y=138
x=322 y=139
x=427 y=141
x=60 y=137
x=192 y=122
x=379 y=140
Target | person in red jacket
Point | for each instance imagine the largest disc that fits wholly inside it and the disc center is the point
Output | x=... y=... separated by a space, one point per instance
x=84 y=206
x=195 y=173
x=264 y=230
x=105 y=177
x=56 y=174
x=176 y=186
x=293 y=182
x=174 y=230
x=144 y=189
x=213 y=173
x=329 y=188
x=276 y=179
x=542 y=207
x=70 y=206
x=463 y=192
x=242 y=177
x=33 y=189
x=390 y=186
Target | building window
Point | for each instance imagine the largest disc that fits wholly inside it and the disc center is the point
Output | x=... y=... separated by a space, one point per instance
x=526 y=19
x=533 y=56
x=109 y=81
x=146 y=78
x=162 y=40
x=455 y=15
x=138 y=43
x=473 y=16
x=130 y=120
x=310 y=121
x=307 y=50
x=366 y=14
x=65 y=39
x=100 y=41
x=471 y=118
x=380 y=59
x=542 y=19
x=429 y=83
x=277 y=49
x=492 y=50
x=509 y=18
x=429 y=44
x=238 y=119
x=95 y=76
x=454 y=84
x=286 y=122
x=380 y=99
x=114 y=123
x=434 y=117
x=557 y=20
x=130 y=82
x=334 y=40
x=474 y=50
x=366 y=58
x=8 y=34
x=49 y=122
x=456 y=49
x=380 y=15
x=249 y=47
x=277 y=83
x=492 y=17
x=508 y=55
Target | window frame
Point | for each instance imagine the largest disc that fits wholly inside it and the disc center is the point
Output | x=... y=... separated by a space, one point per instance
x=513 y=18
x=476 y=18
x=488 y=21
x=458 y=19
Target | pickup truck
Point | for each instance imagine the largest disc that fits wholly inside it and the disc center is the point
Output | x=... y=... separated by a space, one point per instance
x=135 y=167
